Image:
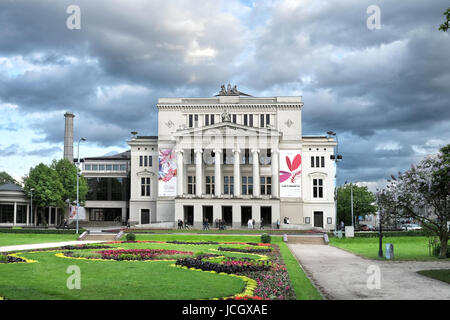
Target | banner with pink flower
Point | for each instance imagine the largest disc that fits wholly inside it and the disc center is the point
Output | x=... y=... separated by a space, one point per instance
x=290 y=173
x=167 y=179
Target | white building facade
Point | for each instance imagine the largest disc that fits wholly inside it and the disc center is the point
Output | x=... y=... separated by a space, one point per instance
x=231 y=158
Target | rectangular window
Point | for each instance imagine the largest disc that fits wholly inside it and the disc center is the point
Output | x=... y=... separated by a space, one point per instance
x=191 y=122
x=145 y=161
x=317 y=162
x=228 y=185
x=150 y=161
x=145 y=187
x=267 y=119
x=206 y=119
x=123 y=167
x=261 y=121
x=250 y=120
x=95 y=167
x=245 y=120
x=116 y=167
x=196 y=120
x=317 y=188
x=108 y=167
x=141 y=161
x=87 y=167
x=312 y=162
x=247 y=185
x=234 y=118
x=246 y=156
x=191 y=184
x=322 y=162
x=209 y=185
x=101 y=167
x=266 y=185
x=212 y=119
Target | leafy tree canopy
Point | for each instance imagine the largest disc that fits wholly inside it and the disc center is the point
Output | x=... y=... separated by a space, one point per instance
x=67 y=173
x=444 y=27
x=6 y=178
x=363 y=203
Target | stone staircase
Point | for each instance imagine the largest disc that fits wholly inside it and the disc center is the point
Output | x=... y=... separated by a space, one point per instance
x=98 y=237
x=306 y=239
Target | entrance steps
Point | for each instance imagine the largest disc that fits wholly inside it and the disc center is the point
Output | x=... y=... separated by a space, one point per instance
x=306 y=239
x=98 y=237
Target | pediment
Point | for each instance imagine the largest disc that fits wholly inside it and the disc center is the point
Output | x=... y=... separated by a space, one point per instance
x=145 y=173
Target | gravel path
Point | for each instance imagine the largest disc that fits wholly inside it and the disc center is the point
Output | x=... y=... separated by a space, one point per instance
x=339 y=274
x=43 y=245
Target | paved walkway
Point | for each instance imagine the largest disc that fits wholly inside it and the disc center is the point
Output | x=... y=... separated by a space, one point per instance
x=43 y=245
x=339 y=274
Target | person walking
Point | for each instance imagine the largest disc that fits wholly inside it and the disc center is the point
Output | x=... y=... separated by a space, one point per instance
x=261 y=226
x=250 y=224
x=278 y=223
x=253 y=223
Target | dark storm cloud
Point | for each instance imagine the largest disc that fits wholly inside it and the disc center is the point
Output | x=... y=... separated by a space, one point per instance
x=386 y=92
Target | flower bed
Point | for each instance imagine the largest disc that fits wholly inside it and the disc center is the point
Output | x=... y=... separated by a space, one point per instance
x=193 y=242
x=10 y=259
x=85 y=247
x=227 y=266
x=132 y=254
x=245 y=250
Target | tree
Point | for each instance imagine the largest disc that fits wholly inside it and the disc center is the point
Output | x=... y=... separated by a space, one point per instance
x=444 y=27
x=423 y=193
x=6 y=178
x=363 y=201
x=48 y=189
x=67 y=172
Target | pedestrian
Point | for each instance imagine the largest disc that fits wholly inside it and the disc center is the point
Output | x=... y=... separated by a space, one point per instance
x=250 y=224
x=278 y=223
x=261 y=225
x=253 y=223
x=342 y=225
x=186 y=226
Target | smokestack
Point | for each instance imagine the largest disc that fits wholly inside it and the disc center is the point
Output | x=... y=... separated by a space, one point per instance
x=68 y=136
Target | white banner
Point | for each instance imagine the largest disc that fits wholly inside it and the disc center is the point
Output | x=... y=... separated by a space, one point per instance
x=167 y=179
x=290 y=173
x=73 y=213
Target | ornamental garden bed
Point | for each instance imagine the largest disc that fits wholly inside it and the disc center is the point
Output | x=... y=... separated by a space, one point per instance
x=241 y=270
x=10 y=259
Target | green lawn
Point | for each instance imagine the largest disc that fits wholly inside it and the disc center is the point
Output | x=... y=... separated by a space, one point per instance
x=47 y=278
x=405 y=248
x=9 y=239
x=443 y=275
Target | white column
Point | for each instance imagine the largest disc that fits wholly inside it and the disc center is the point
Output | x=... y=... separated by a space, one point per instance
x=15 y=213
x=180 y=173
x=256 y=189
x=237 y=172
x=198 y=172
x=28 y=214
x=218 y=172
x=275 y=175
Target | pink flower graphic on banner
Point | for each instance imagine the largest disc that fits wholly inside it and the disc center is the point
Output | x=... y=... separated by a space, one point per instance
x=292 y=166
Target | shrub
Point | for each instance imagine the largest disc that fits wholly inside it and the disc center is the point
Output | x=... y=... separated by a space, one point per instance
x=265 y=238
x=131 y=237
x=3 y=258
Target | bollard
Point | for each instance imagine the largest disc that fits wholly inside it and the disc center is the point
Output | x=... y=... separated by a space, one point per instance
x=389 y=251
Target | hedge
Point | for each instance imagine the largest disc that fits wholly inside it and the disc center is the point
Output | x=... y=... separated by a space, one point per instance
x=42 y=231
x=374 y=234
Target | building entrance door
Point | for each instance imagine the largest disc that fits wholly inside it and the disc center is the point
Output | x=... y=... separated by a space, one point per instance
x=227 y=215
x=318 y=219
x=246 y=214
x=208 y=214
x=266 y=216
x=188 y=215
x=145 y=216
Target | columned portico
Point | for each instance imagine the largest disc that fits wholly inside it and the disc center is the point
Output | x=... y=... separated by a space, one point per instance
x=198 y=172
x=237 y=172
x=256 y=188
x=275 y=174
x=218 y=172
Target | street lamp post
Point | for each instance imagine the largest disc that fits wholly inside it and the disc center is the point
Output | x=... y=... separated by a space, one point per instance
x=78 y=177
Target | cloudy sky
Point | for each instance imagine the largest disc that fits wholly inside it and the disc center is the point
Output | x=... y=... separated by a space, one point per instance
x=386 y=92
